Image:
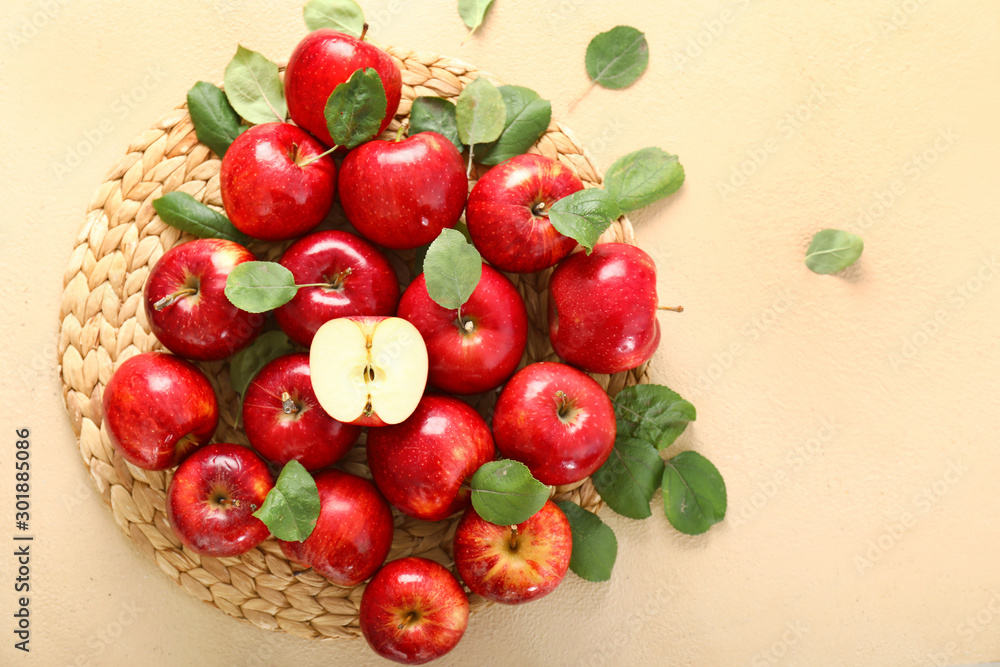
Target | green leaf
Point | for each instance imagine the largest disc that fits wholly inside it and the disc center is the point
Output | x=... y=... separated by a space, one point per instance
x=342 y=15
x=480 y=113
x=694 y=494
x=181 y=210
x=584 y=215
x=215 y=121
x=630 y=476
x=356 y=108
x=527 y=117
x=652 y=413
x=595 y=546
x=833 y=250
x=257 y=287
x=643 y=177
x=473 y=12
x=247 y=362
x=452 y=268
x=435 y=114
x=254 y=87
x=616 y=58
x=292 y=507
x=505 y=493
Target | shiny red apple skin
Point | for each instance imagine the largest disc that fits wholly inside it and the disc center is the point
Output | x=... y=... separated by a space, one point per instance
x=401 y=194
x=501 y=219
x=212 y=497
x=413 y=611
x=204 y=326
x=492 y=568
x=370 y=288
x=325 y=59
x=158 y=409
x=305 y=432
x=268 y=190
x=353 y=534
x=602 y=309
x=528 y=427
x=419 y=465
x=464 y=361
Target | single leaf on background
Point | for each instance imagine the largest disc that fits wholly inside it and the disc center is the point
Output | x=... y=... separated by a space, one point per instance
x=833 y=250
x=584 y=215
x=258 y=287
x=291 y=508
x=630 y=476
x=616 y=58
x=643 y=177
x=653 y=413
x=504 y=492
x=452 y=268
x=527 y=117
x=595 y=546
x=694 y=493
x=254 y=88
x=343 y=16
x=247 y=362
x=184 y=212
x=435 y=114
x=215 y=121
x=480 y=113
x=473 y=12
x=356 y=108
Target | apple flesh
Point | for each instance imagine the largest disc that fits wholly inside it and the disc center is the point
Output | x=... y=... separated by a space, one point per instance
x=401 y=194
x=212 y=497
x=284 y=421
x=158 y=409
x=369 y=371
x=514 y=564
x=508 y=215
x=325 y=59
x=186 y=303
x=602 y=309
x=413 y=611
x=274 y=186
x=357 y=278
x=353 y=534
x=481 y=350
x=421 y=464
x=556 y=420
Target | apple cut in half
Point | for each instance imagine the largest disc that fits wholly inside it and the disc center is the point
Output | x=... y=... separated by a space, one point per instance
x=369 y=371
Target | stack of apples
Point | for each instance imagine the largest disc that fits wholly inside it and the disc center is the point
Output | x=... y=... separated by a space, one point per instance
x=371 y=357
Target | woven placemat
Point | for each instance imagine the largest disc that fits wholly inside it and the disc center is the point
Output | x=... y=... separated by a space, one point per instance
x=104 y=324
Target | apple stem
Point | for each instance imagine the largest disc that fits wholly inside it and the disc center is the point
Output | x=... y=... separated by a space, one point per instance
x=288 y=405
x=333 y=283
x=364 y=31
x=539 y=209
x=303 y=165
x=468 y=171
x=674 y=309
x=513 y=538
x=171 y=298
x=563 y=402
x=403 y=128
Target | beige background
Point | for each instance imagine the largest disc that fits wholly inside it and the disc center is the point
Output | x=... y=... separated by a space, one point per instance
x=853 y=417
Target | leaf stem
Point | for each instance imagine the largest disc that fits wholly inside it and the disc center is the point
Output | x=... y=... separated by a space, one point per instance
x=303 y=165
x=364 y=31
x=470 y=34
x=403 y=128
x=582 y=95
x=468 y=172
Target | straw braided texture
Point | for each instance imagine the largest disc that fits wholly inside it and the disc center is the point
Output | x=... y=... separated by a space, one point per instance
x=104 y=324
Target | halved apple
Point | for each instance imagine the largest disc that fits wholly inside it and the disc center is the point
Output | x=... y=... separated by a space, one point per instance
x=369 y=371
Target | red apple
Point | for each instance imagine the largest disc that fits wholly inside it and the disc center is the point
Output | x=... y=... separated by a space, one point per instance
x=556 y=420
x=186 y=303
x=401 y=194
x=420 y=465
x=413 y=611
x=158 y=409
x=353 y=533
x=514 y=564
x=357 y=278
x=212 y=497
x=602 y=309
x=322 y=61
x=284 y=421
x=482 y=350
x=508 y=213
x=273 y=186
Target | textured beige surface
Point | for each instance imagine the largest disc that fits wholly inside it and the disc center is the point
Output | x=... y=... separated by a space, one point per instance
x=854 y=418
